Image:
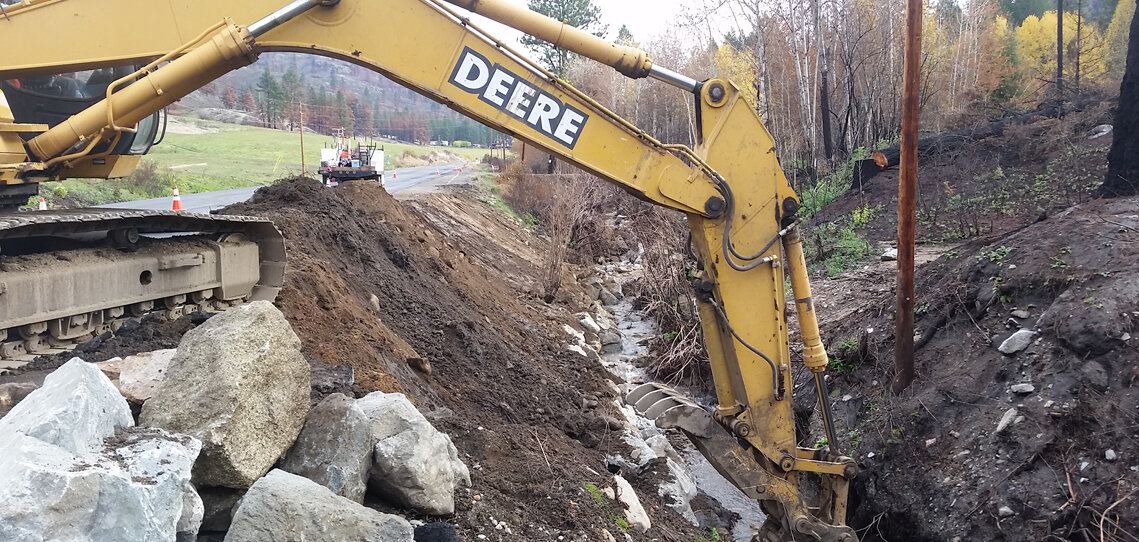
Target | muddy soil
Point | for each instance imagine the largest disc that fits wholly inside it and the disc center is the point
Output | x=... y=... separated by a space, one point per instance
x=939 y=464
x=373 y=285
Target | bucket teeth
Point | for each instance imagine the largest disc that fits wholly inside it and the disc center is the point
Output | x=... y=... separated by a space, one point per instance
x=640 y=391
x=669 y=409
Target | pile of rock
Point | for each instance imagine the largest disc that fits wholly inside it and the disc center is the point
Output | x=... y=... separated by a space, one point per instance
x=225 y=444
x=596 y=331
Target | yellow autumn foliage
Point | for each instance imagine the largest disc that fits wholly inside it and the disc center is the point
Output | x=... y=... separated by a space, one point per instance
x=738 y=67
x=1036 y=51
x=1118 y=32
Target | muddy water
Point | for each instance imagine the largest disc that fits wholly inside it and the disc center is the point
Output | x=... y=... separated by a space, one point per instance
x=637 y=328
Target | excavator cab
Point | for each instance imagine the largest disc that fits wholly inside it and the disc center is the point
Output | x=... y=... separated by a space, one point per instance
x=51 y=99
x=48 y=100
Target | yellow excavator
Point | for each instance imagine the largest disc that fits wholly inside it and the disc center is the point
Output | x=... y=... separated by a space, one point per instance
x=87 y=103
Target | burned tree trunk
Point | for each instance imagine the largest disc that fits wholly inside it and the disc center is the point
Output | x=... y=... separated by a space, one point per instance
x=1123 y=158
x=933 y=145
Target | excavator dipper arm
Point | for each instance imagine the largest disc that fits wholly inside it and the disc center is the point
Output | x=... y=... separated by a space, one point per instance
x=741 y=210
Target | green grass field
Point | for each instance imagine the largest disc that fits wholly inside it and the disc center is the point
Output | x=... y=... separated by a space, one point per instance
x=227 y=156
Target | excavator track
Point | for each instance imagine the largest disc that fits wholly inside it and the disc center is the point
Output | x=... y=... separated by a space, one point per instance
x=67 y=276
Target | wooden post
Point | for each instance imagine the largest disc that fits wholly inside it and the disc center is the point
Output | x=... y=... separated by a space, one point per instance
x=907 y=198
x=301 y=115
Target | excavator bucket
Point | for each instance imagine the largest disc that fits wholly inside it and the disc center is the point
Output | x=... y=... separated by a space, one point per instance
x=788 y=518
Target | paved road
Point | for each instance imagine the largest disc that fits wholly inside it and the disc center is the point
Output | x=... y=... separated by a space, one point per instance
x=421 y=177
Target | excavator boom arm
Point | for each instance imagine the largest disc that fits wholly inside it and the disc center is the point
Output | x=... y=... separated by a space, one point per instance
x=741 y=210
x=446 y=61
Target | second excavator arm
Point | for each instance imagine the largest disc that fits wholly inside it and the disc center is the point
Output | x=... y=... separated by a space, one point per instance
x=741 y=211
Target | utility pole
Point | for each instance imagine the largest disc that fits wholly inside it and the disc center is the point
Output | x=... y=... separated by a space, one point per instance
x=907 y=197
x=301 y=123
x=1060 y=54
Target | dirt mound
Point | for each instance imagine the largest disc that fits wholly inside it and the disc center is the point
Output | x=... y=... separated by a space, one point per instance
x=1063 y=464
x=370 y=285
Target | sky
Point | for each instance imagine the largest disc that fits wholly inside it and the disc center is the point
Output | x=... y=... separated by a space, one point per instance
x=645 y=18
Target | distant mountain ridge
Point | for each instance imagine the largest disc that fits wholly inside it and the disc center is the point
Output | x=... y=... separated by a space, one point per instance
x=334 y=94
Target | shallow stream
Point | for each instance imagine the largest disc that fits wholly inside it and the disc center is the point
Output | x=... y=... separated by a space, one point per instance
x=636 y=328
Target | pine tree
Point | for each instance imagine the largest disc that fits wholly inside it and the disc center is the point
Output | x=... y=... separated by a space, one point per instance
x=582 y=14
x=293 y=94
x=273 y=98
x=344 y=113
x=247 y=101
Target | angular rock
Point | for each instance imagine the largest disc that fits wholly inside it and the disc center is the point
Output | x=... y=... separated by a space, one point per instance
x=334 y=448
x=574 y=334
x=614 y=348
x=1110 y=455
x=584 y=351
x=890 y=255
x=1021 y=314
x=1100 y=131
x=111 y=368
x=193 y=511
x=1017 y=342
x=593 y=288
x=587 y=322
x=76 y=409
x=1007 y=419
x=141 y=374
x=133 y=488
x=413 y=464
x=634 y=513
x=239 y=384
x=1024 y=388
x=604 y=319
x=609 y=336
x=286 y=507
x=608 y=298
x=1005 y=512
x=438 y=531
x=12 y=393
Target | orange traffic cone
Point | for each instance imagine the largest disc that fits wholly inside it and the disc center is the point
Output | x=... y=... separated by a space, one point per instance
x=43 y=205
x=393 y=174
x=437 y=172
x=177 y=200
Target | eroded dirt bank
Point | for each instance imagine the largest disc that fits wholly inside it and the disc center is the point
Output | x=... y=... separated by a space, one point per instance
x=374 y=286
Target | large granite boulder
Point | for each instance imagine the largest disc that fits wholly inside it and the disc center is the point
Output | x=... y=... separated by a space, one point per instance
x=76 y=409
x=239 y=384
x=334 y=448
x=286 y=507
x=132 y=486
x=140 y=375
x=413 y=464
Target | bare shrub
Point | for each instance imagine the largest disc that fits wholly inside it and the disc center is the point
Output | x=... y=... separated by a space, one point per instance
x=666 y=294
x=147 y=179
x=603 y=232
x=509 y=176
x=527 y=194
x=571 y=196
x=1034 y=141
